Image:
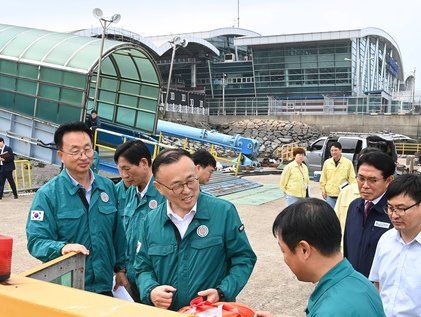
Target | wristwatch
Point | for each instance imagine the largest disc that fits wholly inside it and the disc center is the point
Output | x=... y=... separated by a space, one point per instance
x=220 y=294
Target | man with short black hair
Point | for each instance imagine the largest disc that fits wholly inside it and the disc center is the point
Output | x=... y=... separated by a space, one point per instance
x=93 y=122
x=309 y=235
x=205 y=165
x=7 y=166
x=134 y=165
x=337 y=172
x=193 y=244
x=76 y=211
x=396 y=269
x=366 y=222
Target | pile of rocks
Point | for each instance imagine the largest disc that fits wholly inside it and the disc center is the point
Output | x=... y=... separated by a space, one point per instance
x=272 y=134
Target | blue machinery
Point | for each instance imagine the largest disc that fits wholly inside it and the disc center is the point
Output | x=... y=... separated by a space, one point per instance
x=110 y=137
x=249 y=148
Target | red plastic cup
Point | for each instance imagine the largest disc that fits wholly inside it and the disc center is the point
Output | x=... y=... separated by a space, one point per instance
x=6 y=244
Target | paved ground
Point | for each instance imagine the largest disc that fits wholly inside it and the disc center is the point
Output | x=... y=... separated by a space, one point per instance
x=272 y=286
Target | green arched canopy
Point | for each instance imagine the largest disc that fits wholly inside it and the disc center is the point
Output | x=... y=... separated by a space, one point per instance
x=52 y=76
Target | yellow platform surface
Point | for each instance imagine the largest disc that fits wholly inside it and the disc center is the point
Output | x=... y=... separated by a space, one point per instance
x=22 y=296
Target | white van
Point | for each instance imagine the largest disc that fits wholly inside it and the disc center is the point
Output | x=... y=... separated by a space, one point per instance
x=352 y=144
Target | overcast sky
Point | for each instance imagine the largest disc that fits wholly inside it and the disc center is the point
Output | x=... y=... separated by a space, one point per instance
x=401 y=19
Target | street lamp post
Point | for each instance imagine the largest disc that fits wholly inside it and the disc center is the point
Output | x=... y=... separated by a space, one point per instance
x=105 y=23
x=176 y=42
x=223 y=92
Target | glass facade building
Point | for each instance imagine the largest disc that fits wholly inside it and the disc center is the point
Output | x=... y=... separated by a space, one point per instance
x=240 y=67
x=295 y=66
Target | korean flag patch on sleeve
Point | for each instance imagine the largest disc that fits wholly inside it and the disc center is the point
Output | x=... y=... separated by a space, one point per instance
x=37 y=215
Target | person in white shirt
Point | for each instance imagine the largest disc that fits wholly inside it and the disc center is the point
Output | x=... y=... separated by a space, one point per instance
x=396 y=269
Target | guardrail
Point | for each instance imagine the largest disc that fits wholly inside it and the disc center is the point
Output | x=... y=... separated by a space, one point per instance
x=254 y=106
x=285 y=152
x=407 y=148
x=22 y=176
x=67 y=270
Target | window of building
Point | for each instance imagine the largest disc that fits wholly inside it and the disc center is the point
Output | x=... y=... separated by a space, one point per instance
x=191 y=102
x=183 y=97
x=172 y=96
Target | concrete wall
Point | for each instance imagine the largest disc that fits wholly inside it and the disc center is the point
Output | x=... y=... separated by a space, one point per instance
x=409 y=125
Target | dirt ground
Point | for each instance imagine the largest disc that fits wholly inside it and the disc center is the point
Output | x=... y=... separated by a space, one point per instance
x=272 y=285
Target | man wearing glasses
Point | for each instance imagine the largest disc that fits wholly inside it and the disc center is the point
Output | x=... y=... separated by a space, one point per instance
x=396 y=269
x=76 y=211
x=193 y=244
x=366 y=220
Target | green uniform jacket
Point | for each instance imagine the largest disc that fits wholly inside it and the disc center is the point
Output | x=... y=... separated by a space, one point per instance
x=344 y=292
x=134 y=214
x=95 y=163
x=121 y=196
x=63 y=219
x=214 y=252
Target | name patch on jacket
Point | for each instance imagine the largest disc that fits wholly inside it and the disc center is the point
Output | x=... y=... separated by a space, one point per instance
x=37 y=215
x=382 y=224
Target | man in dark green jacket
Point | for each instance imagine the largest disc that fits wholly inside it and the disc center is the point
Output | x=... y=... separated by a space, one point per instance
x=76 y=211
x=309 y=235
x=193 y=244
x=134 y=164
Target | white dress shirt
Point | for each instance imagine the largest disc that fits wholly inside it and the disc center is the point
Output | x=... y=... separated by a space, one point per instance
x=397 y=268
x=143 y=192
x=181 y=223
x=374 y=201
x=1 y=152
x=88 y=192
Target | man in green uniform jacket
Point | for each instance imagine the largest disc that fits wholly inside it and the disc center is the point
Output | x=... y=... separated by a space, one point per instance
x=193 y=244
x=309 y=234
x=121 y=189
x=76 y=212
x=134 y=164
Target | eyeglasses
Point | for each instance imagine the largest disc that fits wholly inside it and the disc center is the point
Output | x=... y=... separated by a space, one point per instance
x=389 y=209
x=370 y=180
x=178 y=188
x=78 y=154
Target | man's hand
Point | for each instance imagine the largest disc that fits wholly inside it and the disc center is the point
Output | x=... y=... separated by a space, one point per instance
x=161 y=296
x=324 y=195
x=74 y=247
x=262 y=314
x=120 y=280
x=211 y=295
x=1 y=159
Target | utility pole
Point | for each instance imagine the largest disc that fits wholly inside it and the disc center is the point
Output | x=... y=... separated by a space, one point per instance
x=238 y=13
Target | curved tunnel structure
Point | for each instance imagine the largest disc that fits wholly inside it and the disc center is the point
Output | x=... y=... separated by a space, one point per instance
x=52 y=76
x=48 y=78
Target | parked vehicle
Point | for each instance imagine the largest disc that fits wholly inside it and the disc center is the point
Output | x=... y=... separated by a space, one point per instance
x=352 y=144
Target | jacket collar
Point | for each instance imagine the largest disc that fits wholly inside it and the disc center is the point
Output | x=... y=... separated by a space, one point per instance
x=202 y=212
x=72 y=188
x=331 y=278
x=377 y=207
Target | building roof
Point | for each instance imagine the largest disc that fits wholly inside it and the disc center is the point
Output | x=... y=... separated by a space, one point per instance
x=97 y=32
x=321 y=36
x=162 y=41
